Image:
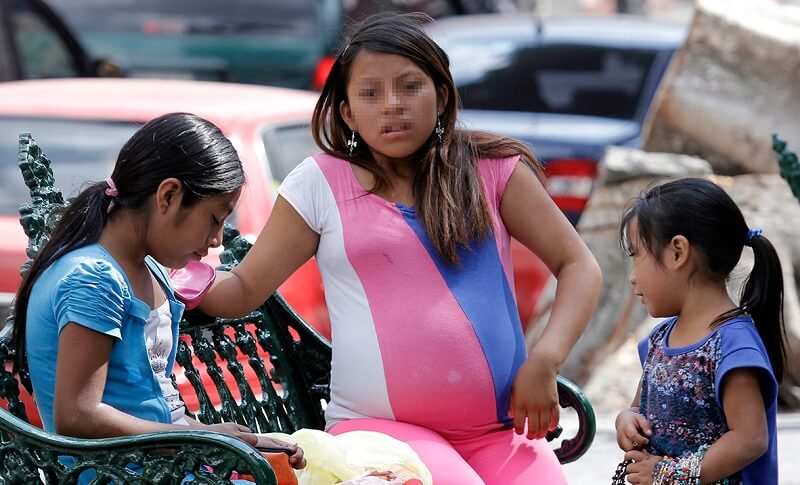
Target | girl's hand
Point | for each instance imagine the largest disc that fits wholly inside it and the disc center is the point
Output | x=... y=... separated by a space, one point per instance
x=633 y=430
x=245 y=434
x=233 y=429
x=296 y=459
x=534 y=396
x=640 y=472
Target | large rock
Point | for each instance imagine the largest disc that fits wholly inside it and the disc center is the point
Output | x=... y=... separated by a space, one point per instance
x=613 y=382
x=621 y=164
x=731 y=86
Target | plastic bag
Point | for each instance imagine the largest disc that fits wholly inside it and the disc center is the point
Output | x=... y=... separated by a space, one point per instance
x=354 y=456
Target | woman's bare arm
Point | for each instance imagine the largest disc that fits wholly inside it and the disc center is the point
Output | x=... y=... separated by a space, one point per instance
x=285 y=243
x=533 y=219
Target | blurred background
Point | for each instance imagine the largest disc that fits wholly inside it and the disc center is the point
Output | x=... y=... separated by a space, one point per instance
x=610 y=95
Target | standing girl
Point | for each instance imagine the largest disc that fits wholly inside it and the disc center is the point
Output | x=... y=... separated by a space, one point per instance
x=97 y=321
x=705 y=408
x=411 y=221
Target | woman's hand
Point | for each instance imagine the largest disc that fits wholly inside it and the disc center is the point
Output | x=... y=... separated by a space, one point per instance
x=534 y=396
x=633 y=430
x=640 y=472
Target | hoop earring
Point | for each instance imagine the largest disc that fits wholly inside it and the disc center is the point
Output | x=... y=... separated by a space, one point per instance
x=352 y=143
x=439 y=128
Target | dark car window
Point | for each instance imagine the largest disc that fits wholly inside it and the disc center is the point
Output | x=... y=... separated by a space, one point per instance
x=286 y=146
x=566 y=79
x=358 y=9
x=43 y=52
x=80 y=151
x=293 y=18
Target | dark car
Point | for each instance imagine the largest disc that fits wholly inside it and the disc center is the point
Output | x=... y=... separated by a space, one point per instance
x=569 y=87
x=273 y=42
x=35 y=44
x=357 y=9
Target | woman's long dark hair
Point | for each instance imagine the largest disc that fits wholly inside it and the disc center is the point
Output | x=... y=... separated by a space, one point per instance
x=704 y=213
x=448 y=194
x=178 y=145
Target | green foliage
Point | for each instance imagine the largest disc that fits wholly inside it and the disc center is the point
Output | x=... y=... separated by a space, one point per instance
x=788 y=164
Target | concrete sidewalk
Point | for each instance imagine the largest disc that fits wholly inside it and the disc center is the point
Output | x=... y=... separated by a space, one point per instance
x=597 y=466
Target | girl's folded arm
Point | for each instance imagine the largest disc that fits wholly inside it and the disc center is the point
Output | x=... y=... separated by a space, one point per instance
x=285 y=243
x=81 y=370
x=748 y=438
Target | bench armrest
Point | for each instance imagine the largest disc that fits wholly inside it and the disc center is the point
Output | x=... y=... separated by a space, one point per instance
x=27 y=451
x=571 y=396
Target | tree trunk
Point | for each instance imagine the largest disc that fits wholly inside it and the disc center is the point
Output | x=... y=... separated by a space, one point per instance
x=731 y=86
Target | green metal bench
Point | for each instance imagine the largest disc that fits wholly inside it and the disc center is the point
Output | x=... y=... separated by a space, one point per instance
x=289 y=359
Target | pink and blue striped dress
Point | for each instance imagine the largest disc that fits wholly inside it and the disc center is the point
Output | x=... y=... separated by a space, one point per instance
x=414 y=339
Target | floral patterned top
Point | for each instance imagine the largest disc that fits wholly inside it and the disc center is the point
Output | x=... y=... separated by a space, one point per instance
x=681 y=391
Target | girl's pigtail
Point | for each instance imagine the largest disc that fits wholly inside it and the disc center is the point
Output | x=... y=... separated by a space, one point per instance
x=81 y=223
x=762 y=298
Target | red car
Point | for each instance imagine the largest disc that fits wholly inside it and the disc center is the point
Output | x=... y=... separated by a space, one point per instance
x=82 y=123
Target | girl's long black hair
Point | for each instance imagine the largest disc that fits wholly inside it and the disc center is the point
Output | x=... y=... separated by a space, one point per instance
x=179 y=145
x=704 y=213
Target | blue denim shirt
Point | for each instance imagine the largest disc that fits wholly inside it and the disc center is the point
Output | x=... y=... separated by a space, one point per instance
x=88 y=287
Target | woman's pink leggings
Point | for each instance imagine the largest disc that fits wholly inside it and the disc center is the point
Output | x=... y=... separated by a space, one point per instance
x=499 y=457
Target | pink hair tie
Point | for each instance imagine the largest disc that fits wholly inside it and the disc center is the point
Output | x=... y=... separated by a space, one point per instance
x=111 y=191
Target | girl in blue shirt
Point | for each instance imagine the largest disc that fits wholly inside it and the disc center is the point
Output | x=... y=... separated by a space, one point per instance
x=97 y=322
x=705 y=408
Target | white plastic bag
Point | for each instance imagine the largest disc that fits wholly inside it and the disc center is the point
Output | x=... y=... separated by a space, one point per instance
x=353 y=456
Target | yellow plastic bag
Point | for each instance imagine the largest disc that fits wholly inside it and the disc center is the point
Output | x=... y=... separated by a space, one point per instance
x=334 y=459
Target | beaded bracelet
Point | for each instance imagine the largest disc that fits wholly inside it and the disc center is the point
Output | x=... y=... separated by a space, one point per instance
x=682 y=471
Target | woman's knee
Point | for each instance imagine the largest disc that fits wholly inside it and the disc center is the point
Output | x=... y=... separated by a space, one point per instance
x=517 y=461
